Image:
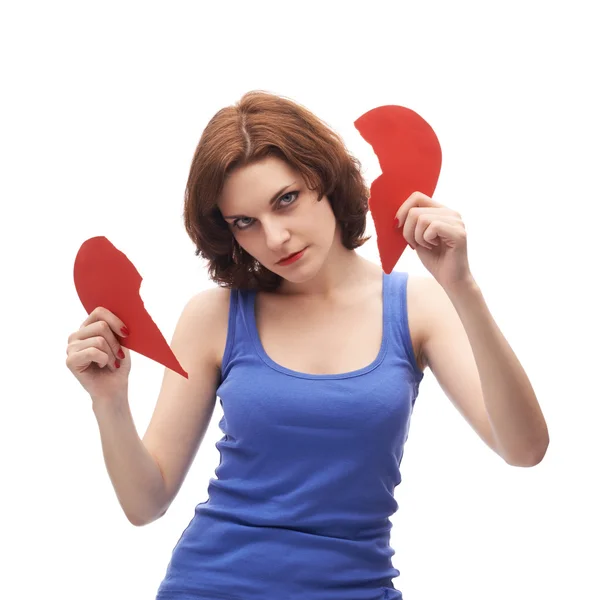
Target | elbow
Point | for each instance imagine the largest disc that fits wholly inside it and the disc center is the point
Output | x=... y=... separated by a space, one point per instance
x=531 y=459
x=153 y=511
x=526 y=463
x=138 y=521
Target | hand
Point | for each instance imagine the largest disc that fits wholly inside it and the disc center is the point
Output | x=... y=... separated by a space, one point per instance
x=438 y=235
x=97 y=359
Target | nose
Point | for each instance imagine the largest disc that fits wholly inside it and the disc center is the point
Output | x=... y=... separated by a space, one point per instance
x=276 y=235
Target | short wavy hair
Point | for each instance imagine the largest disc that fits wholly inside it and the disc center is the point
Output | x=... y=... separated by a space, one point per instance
x=259 y=125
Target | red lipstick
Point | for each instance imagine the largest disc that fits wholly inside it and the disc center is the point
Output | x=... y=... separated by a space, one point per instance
x=292 y=258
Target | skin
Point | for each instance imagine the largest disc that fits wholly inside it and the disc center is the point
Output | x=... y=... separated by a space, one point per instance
x=451 y=328
x=328 y=288
x=269 y=233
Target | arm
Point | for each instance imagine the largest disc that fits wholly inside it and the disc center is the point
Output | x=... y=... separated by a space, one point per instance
x=480 y=373
x=147 y=473
x=133 y=472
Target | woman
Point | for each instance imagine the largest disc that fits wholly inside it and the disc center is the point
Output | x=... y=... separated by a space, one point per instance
x=316 y=356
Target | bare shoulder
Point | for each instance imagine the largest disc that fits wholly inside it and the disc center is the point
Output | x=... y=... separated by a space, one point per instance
x=211 y=300
x=423 y=294
x=211 y=308
x=425 y=289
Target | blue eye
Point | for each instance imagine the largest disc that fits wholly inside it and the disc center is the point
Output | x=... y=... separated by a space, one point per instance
x=294 y=196
x=236 y=223
x=280 y=202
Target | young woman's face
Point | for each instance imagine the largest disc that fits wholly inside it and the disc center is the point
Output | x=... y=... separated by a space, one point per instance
x=272 y=214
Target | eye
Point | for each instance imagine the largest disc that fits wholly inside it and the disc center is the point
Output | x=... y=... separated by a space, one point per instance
x=293 y=195
x=237 y=221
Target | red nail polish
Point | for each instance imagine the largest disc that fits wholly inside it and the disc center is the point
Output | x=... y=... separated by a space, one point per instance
x=124 y=331
x=121 y=354
x=396 y=222
x=117 y=364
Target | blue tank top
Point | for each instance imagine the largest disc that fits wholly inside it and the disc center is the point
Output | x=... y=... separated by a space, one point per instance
x=300 y=506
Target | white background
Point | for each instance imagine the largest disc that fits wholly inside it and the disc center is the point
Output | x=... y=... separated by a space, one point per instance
x=102 y=107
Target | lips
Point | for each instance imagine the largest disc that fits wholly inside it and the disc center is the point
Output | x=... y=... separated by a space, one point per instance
x=290 y=256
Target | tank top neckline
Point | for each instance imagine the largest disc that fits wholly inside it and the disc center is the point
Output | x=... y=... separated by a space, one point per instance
x=250 y=307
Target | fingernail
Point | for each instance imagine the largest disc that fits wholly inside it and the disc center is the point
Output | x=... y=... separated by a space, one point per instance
x=124 y=331
x=396 y=222
x=121 y=354
x=117 y=364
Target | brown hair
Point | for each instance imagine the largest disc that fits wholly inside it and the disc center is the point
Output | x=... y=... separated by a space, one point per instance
x=261 y=125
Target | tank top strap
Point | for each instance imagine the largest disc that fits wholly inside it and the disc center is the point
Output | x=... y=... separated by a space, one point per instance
x=395 y=299
x=238 y=339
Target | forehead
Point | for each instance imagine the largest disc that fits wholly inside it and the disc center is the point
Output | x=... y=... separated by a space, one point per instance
x=255 y=184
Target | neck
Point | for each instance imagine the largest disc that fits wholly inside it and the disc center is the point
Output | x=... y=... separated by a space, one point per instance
x=343 y=270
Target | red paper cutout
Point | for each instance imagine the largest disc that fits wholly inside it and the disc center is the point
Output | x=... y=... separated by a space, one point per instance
x=410 y=158
x=105 y=277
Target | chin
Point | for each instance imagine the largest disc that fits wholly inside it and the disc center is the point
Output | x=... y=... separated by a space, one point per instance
x=297 y=277
x=300 y=274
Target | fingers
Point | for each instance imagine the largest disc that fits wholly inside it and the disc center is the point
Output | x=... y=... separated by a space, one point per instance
x=80 y=360
x=415 y=200
x=451 y=231
x=415 y=227
x=416 y=215
x=81 y=353
x=96 y=341
x=103 y=314
x=418 y=221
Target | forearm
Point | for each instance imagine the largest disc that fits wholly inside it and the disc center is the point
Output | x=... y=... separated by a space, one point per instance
x=515 y=415
x=134 y=474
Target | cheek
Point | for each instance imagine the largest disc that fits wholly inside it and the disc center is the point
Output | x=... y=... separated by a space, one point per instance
x=249 y=243
x=319 y=214
x=326 y=221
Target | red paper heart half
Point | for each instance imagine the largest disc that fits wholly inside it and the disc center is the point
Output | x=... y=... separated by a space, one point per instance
x=410 y=158
x=105 y=277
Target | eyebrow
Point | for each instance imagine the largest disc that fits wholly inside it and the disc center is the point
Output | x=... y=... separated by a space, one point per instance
x=271 y=201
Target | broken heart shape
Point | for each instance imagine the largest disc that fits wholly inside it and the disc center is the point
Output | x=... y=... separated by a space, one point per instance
x=410 y=158
x=105 y=277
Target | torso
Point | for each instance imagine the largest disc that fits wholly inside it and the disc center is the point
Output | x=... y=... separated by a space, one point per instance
x=303 y=335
